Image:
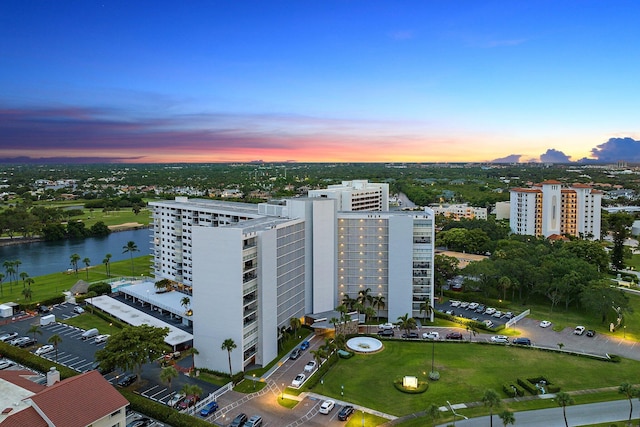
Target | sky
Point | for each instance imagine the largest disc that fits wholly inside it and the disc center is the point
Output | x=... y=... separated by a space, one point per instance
x=319 y=81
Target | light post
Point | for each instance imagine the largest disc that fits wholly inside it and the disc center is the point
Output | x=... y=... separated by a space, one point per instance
x=281 y=397
x=254 y=382
x=624 y=331
x=342 y=390
x=363 y=418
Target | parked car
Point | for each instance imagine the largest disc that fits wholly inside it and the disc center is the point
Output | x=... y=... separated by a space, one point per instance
x=500 y=339
x=27 y=342
x=464 y=304
x=175 y=399
x=454 y=336
x=254 y=421
x=521 y=341
x=454 y=303
x=431 y=335
x=4 y=363
x=44 y=349
x=488 y=323
x=78 y=309
x=497 y=314
x=480 y=308
x=239 y=420
x=310 y=366
x=410 y=335
x=473 y=306
x=508 y=315
x=90 y=333
x=591 y=333
x=386 y=333
x=387 y=325
x=579 y=330
x=345 y=412
x=545 y=324
x=327 y=406
x=17 y=341
x=127 y=380
x=8 y=336
x=188 y=402
x=450 y=312
x=489 y=311
x=295 y=353
x=101 y=338
x=298 y=380
x=140 y=422
x=304 y=345
x=43 y=309
x=209 y=409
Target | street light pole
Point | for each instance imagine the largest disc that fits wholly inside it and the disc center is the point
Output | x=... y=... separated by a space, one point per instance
x=433 y=353
x=342 y=390
x=282 y=397
x=254 y=382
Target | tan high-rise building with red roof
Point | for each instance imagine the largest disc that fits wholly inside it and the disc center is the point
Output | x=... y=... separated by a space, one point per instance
x=548 y=209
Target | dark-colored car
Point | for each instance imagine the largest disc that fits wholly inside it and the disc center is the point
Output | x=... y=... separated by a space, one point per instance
x=127 y=380
x=188 y=401
x=209 y=409
x=454 y=336
x=239 y=420
x=254 y=421
x=345 y=412
x=386 y=333
x=102 y=369
x=410 y=335
x=304 y=345
x=295 y=353
x=591 y=333
x=27 y=343
x=44 y=309
x=140 y=422
x=480 y=308
x=521 y=341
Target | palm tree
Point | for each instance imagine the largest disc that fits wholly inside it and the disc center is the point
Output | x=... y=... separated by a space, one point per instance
x=343 y=310
x=491 y=399
x=407 y=323
x=24 y=276
x=507 y=418
x=629 y=391
x=433 y=413
x=30 y=281
x=55 y=339
x=27 y=293
x=192 y=351
x=17 y=263
x=185 y=301
x=504 y=283
x=334 y=321
x=34 y=329
x=8 y=267
x=369 y=312
x=329 y=346
x=348 y=302
x=364 y=296
x=87 y=263
x=340 y=341
x=564 y=399
x=167 y=375
x=295 y=323
x=427 y=308
x=1 y=279
x=130 y=247
x=75 y=258
x=229 y=345
x=191 y=390
x=318 y=355
x=107 y=264
x=378 y=303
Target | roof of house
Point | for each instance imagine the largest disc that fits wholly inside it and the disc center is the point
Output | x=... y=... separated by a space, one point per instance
x=81 y=287
x=27 y=417
x=61 y=402
x=22 y=378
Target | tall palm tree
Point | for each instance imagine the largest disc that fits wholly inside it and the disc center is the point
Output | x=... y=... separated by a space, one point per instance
x=191 y=390
x=87 y=263
x=55 y=339
x=229 y=345
x=318 y=355
x=629 y=391
x=130 y=248
x=334 y=321
x=16 y=265
x=343 y=310
x=564 y=399
x=24 y=276
x=8 y=267
x=364 y=297
x=295 y=323
x=427 y=308
x=433 y=413
x=168 y=374
x=192 y=351
x=107 y=264
x=491 y=399
x=1 y=279
x=369 y=312
x=185 y=301
x=507 y=418
x=27 y=293
x=34 y=329
x=30 y=281
x=75 y=258
x=379 y=304
x=407 y=323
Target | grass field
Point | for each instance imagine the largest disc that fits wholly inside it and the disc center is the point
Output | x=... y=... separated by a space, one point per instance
x=467 y=371
x=54 y=284
x=88 y=321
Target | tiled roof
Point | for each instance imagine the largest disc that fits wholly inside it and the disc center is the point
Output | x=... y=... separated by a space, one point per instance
x=79 y=401
x=21 y=378
x=26 y=418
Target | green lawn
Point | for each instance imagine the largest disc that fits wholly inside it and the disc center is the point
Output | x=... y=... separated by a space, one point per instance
x=466 y=370
x=88 y=321
x=54 y=284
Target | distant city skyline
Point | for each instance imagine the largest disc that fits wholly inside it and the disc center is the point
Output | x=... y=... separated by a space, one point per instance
x=330 y=81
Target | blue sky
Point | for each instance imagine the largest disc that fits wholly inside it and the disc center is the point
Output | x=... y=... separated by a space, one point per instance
x=320 y=80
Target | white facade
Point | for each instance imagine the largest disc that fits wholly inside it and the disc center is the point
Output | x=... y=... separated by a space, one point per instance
x=252 y=269
x=358 y=195
x=548 y=208
x=461 y=211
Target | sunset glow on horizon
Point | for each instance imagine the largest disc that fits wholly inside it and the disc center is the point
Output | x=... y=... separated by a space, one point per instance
x=334 y=81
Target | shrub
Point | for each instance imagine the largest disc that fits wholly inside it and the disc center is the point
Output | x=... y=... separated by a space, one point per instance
x=100 y=288
x=527 y=385
x=29 y=360
x=422 y=387
x=162 y=412
x=434 y=375
x=513 y=390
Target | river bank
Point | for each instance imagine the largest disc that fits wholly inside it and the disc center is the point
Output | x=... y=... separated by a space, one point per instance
x=10 y=241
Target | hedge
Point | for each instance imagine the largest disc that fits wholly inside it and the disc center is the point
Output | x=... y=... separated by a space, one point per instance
x=162 y=413
x=513 y=390
x=322 y=370
x=48 y=301
x=422 y=387
x=527 y=385
x=30 y=360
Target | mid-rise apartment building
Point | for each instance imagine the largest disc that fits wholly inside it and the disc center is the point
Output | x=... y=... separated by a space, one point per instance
x=251 y=268
x=357 y=195
x=549 y=208
x=461 y=211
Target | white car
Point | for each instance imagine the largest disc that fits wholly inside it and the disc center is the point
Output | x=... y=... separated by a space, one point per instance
x=497 y=314
x=327 y=406
x=464 y=304
x=8 y=336
x=473 y=306
x=387 y=325
x=579 y=330
x=500 y=339
x=298 y=380
x=489 y=311
x=175 y=399
x=44 y=349
x=545 y=324
x=4 y=364
x=78 y=309
x=431 y=335
x=102 y=338
x=454 y=303
x=488 y=323
x=309 y=367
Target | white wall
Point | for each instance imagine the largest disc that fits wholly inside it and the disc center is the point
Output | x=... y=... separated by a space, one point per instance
x=400 y=291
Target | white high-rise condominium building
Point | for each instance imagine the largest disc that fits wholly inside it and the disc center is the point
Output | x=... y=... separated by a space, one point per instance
x=357 y=195
x=251 y=268
x=548 y=208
